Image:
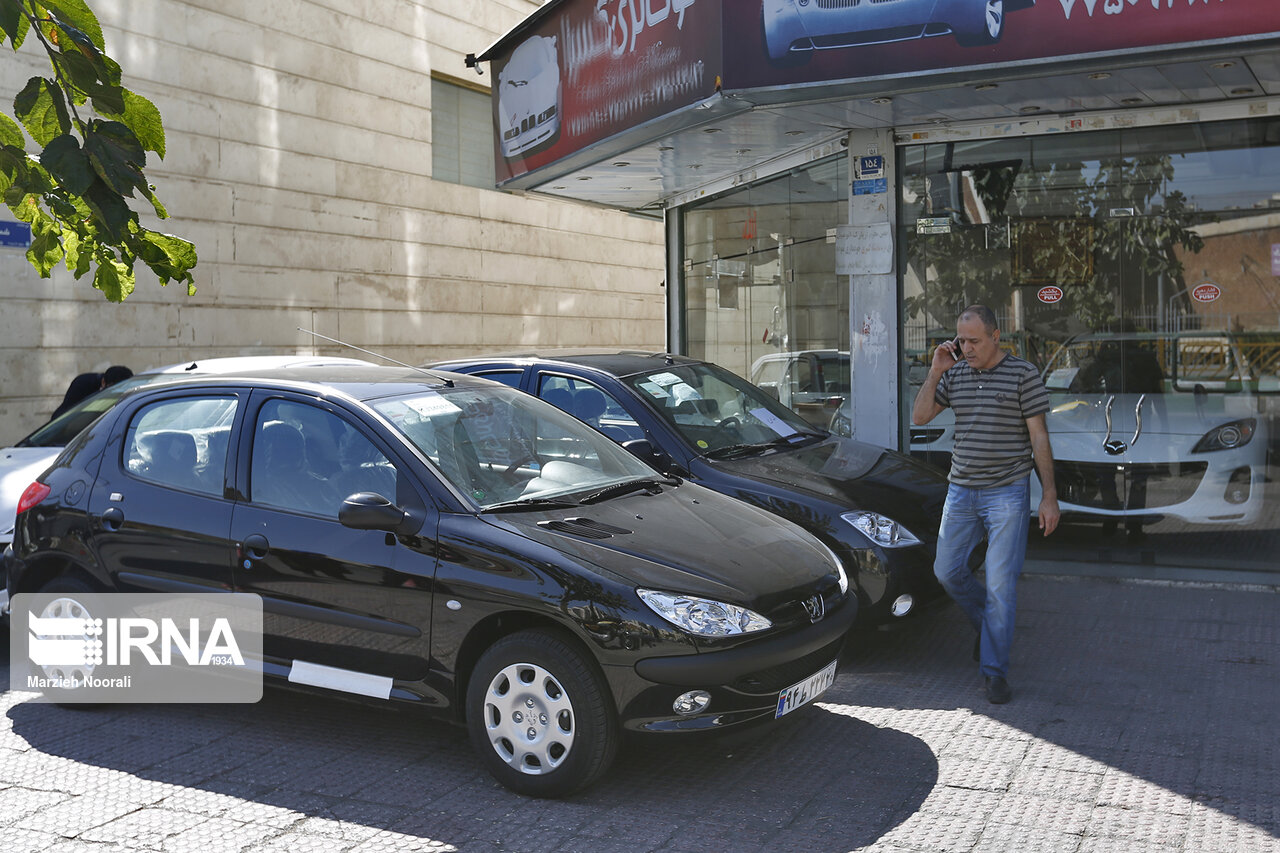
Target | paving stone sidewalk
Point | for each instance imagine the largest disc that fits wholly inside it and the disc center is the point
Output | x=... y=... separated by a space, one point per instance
x=1143 y=721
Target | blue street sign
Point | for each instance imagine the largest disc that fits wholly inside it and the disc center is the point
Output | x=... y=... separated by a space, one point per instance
x=15 y=234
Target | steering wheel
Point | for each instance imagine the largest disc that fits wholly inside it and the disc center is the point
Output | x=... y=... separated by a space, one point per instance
x=731 y=421
x=509 y=473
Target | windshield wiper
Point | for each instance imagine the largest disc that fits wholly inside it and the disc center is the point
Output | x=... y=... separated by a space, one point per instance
x=792 y=439
x=617 y=489
x=733 y=450
x=531 y=503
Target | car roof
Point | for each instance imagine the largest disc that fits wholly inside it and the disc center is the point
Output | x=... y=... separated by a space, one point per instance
x=621 y=363
x=238 y=363
x=359 y=380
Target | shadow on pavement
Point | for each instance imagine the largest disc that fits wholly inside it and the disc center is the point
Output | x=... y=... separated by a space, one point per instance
x=1140 y=700
x=820 y=781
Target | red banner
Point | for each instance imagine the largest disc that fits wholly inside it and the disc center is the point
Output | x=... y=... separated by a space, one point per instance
x=596 y=68
x=780 y=42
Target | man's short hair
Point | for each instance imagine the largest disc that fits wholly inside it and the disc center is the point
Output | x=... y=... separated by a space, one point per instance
x=114 y=374
x=983 y=313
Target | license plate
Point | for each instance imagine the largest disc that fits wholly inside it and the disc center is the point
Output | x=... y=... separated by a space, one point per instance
x=806 y=691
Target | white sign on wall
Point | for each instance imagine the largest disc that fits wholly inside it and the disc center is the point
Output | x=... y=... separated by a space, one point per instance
x=864 y=249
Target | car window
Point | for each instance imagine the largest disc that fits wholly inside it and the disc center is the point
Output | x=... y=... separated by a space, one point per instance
x=308 y=459
x=510 y=378
x=181 y=443
x=499 y=445
x=591 y=404
x=59 y=431
x=715 y=409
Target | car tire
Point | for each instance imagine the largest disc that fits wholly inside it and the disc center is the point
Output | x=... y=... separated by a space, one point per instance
x=988 y=27
x=69 y=604
x=573 y=737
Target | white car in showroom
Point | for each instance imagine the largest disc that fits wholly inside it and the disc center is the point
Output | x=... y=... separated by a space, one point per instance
x=1152 y=425
x=795 y=28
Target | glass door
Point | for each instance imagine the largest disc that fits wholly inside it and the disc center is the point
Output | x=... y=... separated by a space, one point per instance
x=1140 y=271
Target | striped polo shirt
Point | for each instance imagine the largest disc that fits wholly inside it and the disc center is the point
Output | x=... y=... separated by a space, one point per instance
x=992 y=446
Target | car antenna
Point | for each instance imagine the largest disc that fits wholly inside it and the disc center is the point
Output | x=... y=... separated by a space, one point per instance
x=448 y=383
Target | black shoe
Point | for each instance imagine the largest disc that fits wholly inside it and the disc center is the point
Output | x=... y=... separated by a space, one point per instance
x=977 y=648
x=998 y=691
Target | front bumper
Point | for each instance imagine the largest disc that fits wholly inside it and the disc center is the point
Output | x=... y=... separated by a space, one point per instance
x=744 y=681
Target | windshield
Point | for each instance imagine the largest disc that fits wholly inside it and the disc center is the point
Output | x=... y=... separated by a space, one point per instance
x=1149 y=364
x=715 y=410
x=501 y=446
x=66 y=426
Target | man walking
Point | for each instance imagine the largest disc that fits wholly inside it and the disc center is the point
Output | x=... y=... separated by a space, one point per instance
x=1000 y=435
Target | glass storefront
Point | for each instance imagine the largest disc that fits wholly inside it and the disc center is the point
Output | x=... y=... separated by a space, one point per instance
x=1138 y=268
x=762 y=296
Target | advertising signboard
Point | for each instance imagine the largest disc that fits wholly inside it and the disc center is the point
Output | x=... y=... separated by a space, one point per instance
x=582 y=71
x=781 y=42
x=596 y=68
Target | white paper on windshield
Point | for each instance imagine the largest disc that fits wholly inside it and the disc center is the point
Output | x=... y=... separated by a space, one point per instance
x=665 y=379
x=654 y=390
x=1062 y=378
x=773 y=422
x=432 y=405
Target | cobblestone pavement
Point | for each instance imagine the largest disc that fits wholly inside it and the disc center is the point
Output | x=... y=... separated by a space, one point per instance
x=1143 y=721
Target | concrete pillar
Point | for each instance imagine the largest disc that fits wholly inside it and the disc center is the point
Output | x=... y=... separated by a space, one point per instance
x=871 y=255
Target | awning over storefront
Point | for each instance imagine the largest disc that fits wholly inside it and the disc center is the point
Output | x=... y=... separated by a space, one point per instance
x=639 y=104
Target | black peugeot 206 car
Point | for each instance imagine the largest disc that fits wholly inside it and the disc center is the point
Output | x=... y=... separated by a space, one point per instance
x=877 y=508
x=447 y=541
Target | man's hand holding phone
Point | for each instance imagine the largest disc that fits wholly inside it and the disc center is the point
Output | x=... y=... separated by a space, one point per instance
x=946 y=356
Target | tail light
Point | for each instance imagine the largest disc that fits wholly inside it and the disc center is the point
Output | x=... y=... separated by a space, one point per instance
x=35 y=493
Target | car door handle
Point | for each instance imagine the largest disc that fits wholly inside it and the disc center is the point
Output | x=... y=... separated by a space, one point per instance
x=254 y=547
x=112 y=518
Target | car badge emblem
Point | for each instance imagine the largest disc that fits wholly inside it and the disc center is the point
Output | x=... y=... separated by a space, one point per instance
x=815 y=608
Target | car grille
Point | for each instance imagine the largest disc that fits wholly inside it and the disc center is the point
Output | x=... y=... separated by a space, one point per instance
x=780 y=677
x=1115 y=486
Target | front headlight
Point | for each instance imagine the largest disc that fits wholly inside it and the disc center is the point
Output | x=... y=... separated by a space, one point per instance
x=1227 y=437
x=702 y=616
x=881 y=529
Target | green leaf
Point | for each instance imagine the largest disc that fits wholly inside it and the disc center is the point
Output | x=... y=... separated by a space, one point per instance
x=116 y=155
x=10 y=132
x=178 y=253
x=161 y=211
x=110 y=213
x=42 y=109
x=90 y=77
x=66 y=162
x=142 y=117
x=114 y=279
x=77 y=14
x=45 y=252
x=11 y=20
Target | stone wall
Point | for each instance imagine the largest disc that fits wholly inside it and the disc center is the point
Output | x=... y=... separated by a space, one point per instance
x=299 y=160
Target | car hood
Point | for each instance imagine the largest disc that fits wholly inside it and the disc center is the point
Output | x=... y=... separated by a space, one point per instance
x=1162 y=414
x=688 y=540
x=19 y=466
x=851 y=475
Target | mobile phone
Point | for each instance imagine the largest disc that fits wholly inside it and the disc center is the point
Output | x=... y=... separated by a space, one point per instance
x=959 y=353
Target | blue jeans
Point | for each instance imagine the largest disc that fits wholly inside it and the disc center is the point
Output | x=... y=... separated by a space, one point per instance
x=1004 y=514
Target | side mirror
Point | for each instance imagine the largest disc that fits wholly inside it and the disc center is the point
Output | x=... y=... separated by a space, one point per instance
x=643 y=449
x=371 y=511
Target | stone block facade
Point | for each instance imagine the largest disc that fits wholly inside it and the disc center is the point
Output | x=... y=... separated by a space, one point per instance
x=299 y=163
